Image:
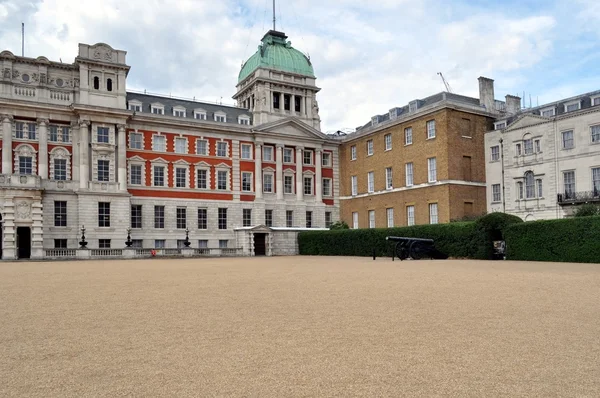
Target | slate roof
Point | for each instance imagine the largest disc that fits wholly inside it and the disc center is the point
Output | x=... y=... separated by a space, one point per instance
x=169 y=103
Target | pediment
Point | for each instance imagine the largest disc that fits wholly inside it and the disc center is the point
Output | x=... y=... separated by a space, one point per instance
x=136 y=159
x=158 y=160
x=526 y=121
x=261 y=228
x=291 y=127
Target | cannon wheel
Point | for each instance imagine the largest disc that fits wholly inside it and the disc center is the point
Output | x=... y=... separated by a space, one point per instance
x=401 y=251
x=417 y=250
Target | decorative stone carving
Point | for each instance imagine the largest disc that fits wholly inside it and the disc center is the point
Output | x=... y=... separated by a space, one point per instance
x=84 y=124
x=7 y=73
x=103 y=53
x=7 y=118
x=28 y=151
x=76 y=83
x=16 y=74
x=35 y=77
x=60 y=153
x=43 y=78
x=43 y=122
x=23 y=210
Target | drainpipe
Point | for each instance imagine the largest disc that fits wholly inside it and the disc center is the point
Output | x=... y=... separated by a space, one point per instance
x=503 y=189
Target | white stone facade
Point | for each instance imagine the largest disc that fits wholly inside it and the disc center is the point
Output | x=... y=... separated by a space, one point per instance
x=78 y=151
x=545 y=161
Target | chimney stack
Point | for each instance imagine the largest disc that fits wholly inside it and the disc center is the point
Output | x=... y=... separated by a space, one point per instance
x=486 y=93
x=513 y=104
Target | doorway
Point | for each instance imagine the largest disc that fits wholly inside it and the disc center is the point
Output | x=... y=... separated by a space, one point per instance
x=24 y=242
x=260 y=244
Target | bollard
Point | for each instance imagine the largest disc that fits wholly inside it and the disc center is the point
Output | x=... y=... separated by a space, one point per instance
x=373 y=253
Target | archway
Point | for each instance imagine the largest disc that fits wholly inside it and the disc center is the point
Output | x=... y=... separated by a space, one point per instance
x=23 y=242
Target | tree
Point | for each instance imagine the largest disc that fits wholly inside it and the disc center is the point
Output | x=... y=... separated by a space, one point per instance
x=588 y=209
x=339 y=225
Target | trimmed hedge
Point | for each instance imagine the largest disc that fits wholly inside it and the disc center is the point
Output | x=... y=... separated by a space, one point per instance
x=490 y=228
x=566 y=240
x=454 y=239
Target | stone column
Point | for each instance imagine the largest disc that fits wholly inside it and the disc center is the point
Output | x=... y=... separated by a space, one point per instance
x=281 y=102
x=75 y=151
x=302 y=107
x=293 y=104
x=84 y=148
x=122 y=158
x=7 y=162
x=299 y=186
x=43 y=150
x=258 y=171
x=279 y=172
x=319 y=176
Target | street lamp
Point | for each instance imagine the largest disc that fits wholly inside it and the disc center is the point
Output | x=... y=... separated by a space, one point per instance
x=128 y=242
x=83 y=243
x=186 y=242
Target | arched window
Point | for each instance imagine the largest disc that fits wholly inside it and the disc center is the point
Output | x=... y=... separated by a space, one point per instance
x=109 y=84
x=96 y=83
x=529 y=185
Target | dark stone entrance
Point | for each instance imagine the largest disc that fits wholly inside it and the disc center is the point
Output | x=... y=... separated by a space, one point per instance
x=24 y=242
x=260 y=244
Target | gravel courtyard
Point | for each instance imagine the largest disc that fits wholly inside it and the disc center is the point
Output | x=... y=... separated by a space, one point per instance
x=299 y=326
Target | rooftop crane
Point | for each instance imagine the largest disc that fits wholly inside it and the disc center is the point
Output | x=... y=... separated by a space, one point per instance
x=448 y=89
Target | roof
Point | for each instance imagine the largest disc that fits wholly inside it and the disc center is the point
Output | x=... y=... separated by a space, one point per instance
x=232 y=113
x=278 y=54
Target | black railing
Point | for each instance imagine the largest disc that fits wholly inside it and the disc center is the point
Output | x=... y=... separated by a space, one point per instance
x=578 y=197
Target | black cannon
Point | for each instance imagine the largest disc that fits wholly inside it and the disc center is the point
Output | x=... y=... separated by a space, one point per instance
x=415 y=248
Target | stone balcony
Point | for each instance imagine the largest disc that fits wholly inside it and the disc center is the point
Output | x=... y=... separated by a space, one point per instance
x=60 y=185
x=20 y=181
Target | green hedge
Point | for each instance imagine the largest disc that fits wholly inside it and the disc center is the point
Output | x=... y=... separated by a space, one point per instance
x=490 y=228
x=568 y=240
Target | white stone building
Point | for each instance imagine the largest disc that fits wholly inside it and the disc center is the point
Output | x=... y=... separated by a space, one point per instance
x=78 y=150
x=544 y=161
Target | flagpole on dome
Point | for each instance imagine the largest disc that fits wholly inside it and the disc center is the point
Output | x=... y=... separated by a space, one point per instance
x=274 y=18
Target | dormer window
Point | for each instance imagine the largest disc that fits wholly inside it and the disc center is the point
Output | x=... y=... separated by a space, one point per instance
x=135 y=106
x=157 y=109
x=220 y=117
x=244 y=120
x=499 y=125
x=413 y=106
x=200 y=114
x=595 y=101
x=179 y=111
x=548 y=112
x=572 y=106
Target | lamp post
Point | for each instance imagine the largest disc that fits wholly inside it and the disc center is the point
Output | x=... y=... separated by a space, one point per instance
x=83 y=243
x=186 y=242
x=128 y=242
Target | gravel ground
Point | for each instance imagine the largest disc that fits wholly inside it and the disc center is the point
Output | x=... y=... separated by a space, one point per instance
x=299 y=326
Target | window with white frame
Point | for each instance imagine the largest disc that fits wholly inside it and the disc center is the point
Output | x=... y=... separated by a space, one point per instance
x=353 y=152
x=222 y=180
x=159 y=143
x=595 y=101
x=548 y=112
x=539 y=189
x=60 y=213
x=432 y=169
x=267 y=153
x=60 y=169
x=20 y=130
x=520 y=190
x=103 y=170
x=410 y=215
x=371 y=182
x=326 y=187
x=104 y=214
x=409 y=174
x=246 y=151
x=569 y=183
x=157 y=109
x=288 y=155
x=222 y=218
x=433 y=213
x=354 y=184
x=328 y=219
x=388 y=142
x=408 y=136
x=222 y=149
x=159 y=217
x=135 y=174
x=595 y=133
x=289 y=218
x=371 y=218
x=568 y=141
x=26 y=165
x=202 y=218
x=326 y=159
x=102 y=135
x=268 y=182
x=181 y=177
x=199 y=114
x=495 y=153
x=309 y=219
x=201 y=147
x=288 y=184
x=528 y=146
x=53 y=133
x=180 y=145
x=573 y=106
x=246 y=181
x=355 y=220
x=307 y=157
x=537 y=146
x=246 y=217
x=201 y=178
x=518 y=149
x=529 y=185
x=499 y=125
x=160 y=243
x=390 y=217
x=389 y=184
x=135 y=141
x=220 y=117
x=244 y=120
x=431 y=129
x=31 y=131
x=369 y=147
x=135 y=106
x=158 y=176
x=181 y=217
x=496 y=195
x=179 y=111
x=308 y=185
x=596 y=181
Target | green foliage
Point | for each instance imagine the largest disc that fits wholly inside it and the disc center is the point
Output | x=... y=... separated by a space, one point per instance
x=588 y=209
x=339 y=225
x=490 y=228
x=455 y=239
x=567 y=240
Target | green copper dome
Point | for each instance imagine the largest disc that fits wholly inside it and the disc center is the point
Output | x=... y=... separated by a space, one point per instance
x=278 y=54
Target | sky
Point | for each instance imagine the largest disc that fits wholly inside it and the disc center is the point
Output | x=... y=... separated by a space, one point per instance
x=369 y=56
